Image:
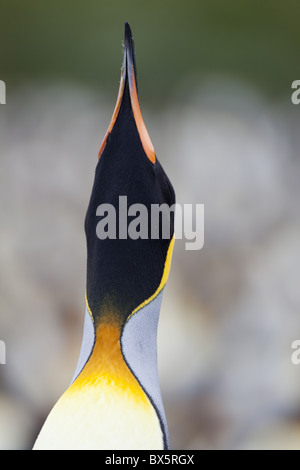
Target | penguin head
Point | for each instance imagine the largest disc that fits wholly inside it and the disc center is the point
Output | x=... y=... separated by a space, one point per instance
x=128 y=251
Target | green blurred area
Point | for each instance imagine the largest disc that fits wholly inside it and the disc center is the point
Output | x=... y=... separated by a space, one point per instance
x=81 y=41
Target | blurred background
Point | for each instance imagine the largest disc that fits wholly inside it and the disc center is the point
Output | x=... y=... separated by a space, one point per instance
x=215 y=90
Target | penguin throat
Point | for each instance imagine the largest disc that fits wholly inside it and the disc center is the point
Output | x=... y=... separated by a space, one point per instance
x=106 y=364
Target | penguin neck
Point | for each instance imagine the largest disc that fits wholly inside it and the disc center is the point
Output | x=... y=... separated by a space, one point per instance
x=106 y=364
x=107 y=406
x=123 y=364
x=122 y=346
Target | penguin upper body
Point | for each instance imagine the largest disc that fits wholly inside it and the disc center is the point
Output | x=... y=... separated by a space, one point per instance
x=114 y=400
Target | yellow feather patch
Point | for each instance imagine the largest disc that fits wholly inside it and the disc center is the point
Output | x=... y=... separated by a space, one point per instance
x=105 y=408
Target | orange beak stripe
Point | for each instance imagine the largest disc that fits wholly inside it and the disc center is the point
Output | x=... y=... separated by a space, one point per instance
x=115 y=114
x=142 y=130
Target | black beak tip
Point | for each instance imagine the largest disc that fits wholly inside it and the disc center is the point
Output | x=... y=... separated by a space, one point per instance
x=128 y=33
x=129 y=42
x=129 y=49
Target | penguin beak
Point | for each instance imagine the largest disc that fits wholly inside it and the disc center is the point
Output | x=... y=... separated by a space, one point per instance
x=128 y=77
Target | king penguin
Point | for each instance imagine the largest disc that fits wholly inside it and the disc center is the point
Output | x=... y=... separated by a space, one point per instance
x=114 y=400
